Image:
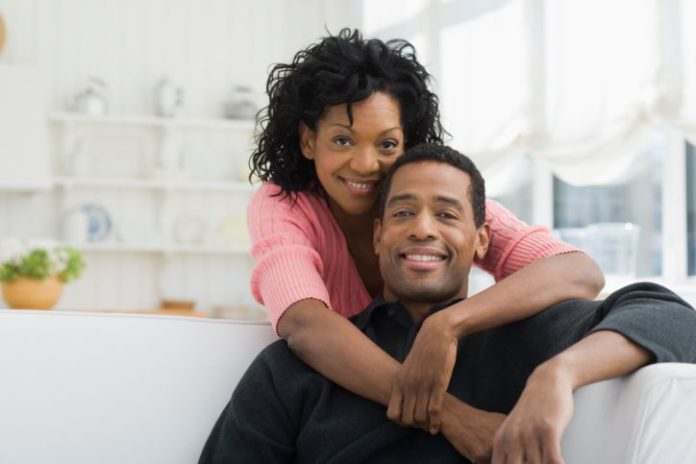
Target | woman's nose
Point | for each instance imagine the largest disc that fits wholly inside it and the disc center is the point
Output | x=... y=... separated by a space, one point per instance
x=365 y=162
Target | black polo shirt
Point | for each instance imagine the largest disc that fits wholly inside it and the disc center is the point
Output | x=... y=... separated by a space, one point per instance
x=283 y=411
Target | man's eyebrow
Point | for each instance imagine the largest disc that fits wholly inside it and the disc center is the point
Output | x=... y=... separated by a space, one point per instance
x=450 y=201
x=439 y=199
x=400 y=198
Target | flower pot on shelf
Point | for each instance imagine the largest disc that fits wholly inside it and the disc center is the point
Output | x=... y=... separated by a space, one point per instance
x=26 y=293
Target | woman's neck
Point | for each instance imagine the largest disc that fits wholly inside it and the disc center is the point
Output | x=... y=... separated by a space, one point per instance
x=360 y=227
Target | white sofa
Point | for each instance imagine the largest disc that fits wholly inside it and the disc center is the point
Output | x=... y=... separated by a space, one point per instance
x=118 y=388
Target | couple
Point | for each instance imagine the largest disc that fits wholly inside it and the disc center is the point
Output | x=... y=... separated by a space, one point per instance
x=510 y=395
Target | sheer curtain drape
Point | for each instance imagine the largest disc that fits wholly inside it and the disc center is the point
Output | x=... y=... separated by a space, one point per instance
x=576 y=84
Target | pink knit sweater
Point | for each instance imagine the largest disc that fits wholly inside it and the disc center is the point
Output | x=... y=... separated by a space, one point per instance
x=301 y=252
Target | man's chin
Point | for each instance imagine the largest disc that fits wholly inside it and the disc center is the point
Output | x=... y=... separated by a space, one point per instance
x=425 y=294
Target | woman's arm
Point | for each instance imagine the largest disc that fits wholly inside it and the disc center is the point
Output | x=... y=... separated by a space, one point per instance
x=526 y=292
x=338 y=350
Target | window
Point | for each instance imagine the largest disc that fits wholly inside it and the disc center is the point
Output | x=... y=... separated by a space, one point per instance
x=691 y=205
x=514 y=189
x=637 y=200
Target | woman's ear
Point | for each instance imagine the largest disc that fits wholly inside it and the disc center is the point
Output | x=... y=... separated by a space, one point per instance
x=307 y=141
x=482 y=241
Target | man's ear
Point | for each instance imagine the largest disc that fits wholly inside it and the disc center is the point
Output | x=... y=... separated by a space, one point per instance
x=377 y=235
x=307 y=141
x=482 y=241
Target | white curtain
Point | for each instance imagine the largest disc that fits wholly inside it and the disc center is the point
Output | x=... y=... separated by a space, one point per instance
x=577 y=84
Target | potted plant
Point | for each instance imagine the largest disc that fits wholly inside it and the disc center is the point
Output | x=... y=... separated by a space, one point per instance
x=33 y=273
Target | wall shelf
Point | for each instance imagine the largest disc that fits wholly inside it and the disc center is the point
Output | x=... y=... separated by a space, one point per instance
x=156 y=121
x=161 y=248
x=152 y=184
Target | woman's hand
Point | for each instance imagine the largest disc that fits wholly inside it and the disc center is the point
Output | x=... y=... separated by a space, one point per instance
x=421 y=383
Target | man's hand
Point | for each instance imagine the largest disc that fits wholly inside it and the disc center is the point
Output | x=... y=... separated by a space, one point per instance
x=470 y=430
x=421 y=383
x=533 y=430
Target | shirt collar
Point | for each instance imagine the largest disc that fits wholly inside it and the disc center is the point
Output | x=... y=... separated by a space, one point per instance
x=378 y=305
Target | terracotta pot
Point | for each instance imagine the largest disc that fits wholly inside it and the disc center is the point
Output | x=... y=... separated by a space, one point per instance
x=25 y=293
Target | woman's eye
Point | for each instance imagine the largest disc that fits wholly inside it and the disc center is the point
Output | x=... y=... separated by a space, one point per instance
x=342 y=141
x=389 y=145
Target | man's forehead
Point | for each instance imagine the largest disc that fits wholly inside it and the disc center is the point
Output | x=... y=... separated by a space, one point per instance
x=429 y=181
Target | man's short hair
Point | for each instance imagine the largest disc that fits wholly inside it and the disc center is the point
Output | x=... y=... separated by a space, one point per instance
x=446 y=155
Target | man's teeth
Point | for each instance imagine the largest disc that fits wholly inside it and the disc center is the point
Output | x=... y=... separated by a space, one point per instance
x=426 y=258
x=359 y=186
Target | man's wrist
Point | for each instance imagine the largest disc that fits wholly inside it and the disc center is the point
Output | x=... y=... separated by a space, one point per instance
x=557 y=370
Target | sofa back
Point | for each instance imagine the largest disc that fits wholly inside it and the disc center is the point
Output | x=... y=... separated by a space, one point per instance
x=116 y=388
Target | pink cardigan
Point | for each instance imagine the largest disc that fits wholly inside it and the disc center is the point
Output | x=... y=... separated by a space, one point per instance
x=301 y=252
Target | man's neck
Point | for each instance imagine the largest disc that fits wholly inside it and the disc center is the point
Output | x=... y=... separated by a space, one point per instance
x=418 y=311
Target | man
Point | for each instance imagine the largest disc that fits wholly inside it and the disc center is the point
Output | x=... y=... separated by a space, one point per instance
x=430 y=229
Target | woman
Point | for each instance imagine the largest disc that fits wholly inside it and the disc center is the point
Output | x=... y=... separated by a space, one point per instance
x=338 y=117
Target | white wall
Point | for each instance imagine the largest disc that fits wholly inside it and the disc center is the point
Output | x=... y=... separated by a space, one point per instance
x=207 y=46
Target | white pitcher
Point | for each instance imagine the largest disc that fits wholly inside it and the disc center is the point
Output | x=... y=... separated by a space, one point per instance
x=168 y=98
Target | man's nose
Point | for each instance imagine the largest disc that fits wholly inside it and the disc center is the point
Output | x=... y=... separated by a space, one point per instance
x=423 y=227
x=365 y=162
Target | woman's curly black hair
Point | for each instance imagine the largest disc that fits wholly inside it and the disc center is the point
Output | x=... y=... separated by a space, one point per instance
x=339 y=69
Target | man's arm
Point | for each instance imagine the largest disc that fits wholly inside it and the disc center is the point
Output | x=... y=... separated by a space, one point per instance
x=254 y=427
x=532 y=432
x=634 y=326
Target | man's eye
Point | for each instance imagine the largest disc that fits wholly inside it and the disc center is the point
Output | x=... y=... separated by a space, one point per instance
x=342 y=141
x=446 y=215
x=401 y=213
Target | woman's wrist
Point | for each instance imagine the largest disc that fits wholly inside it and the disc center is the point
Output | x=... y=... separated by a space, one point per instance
x=455 y=320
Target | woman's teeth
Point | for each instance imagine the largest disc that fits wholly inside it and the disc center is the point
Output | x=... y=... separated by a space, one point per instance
x=359 y=186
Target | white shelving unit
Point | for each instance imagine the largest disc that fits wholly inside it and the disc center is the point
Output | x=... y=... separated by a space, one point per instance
x=151 y=173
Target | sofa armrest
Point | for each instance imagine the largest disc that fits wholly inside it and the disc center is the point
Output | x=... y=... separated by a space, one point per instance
x=647 y=417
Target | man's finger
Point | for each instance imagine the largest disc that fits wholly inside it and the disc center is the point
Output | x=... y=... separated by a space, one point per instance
x=551 y=450
x=420 y=414
x=408 y=409
x=394 y=408
x=533 y=451
x=434 y=409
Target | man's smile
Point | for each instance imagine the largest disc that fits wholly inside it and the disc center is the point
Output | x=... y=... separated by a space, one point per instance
x=422 y=258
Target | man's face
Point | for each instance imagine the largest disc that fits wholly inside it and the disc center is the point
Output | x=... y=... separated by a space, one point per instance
x=427 y=238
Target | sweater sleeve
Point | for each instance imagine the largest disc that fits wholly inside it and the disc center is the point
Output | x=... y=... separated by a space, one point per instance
x=514 y=244
x=284 y=245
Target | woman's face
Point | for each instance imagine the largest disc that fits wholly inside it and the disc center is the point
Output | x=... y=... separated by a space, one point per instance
x=350 y=160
